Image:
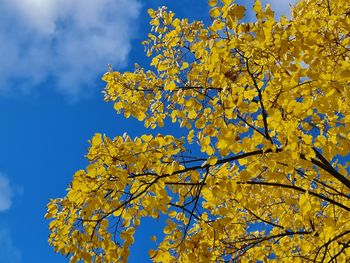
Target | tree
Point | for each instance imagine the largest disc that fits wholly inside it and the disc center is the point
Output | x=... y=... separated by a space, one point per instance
x=262 y=173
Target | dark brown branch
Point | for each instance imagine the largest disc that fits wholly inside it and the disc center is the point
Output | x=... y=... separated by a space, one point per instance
x=325 y=165
x=299 y=189
x=186 y=210
x=201 y=167
x=251 y=126
x=345 y=246
x=325 y=245
x=182 y=183
x=264 y=113
x=263 y=220
x=196 y=202
x=323 y=184
x=248 y=246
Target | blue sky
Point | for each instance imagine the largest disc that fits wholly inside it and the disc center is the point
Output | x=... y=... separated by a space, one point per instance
x=53 y=54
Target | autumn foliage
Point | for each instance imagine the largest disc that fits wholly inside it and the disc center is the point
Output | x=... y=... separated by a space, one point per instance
x=262 y=173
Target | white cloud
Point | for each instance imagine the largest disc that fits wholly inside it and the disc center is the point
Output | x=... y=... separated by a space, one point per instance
x=40 y=14
x=71 y=41
x=6 y=193
x=9 y=253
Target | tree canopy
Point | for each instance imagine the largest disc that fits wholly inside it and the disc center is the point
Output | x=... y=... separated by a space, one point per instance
x=262 y=173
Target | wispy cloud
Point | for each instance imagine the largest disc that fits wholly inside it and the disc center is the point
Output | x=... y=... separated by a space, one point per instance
x=9 y=253
x=6 y=193
x=281 y=7
x=68 y=41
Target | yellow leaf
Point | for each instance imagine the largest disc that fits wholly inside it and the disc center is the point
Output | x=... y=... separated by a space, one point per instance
x=345 y=74
x=97 y=139
x=190 y=136
x=222 y=144
x=172 y=214
x=215 y=12
x=151 y=12
x=184 y=66
x=152 y=253
x=171 y=86
x=147 y=138
x=212 y=160
x=218 y=25
x=162 y=66
x=227 y=2
x=237 y=11
x=192 y=114
x=170 y=169
x=212 y=2
x=257 y=9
